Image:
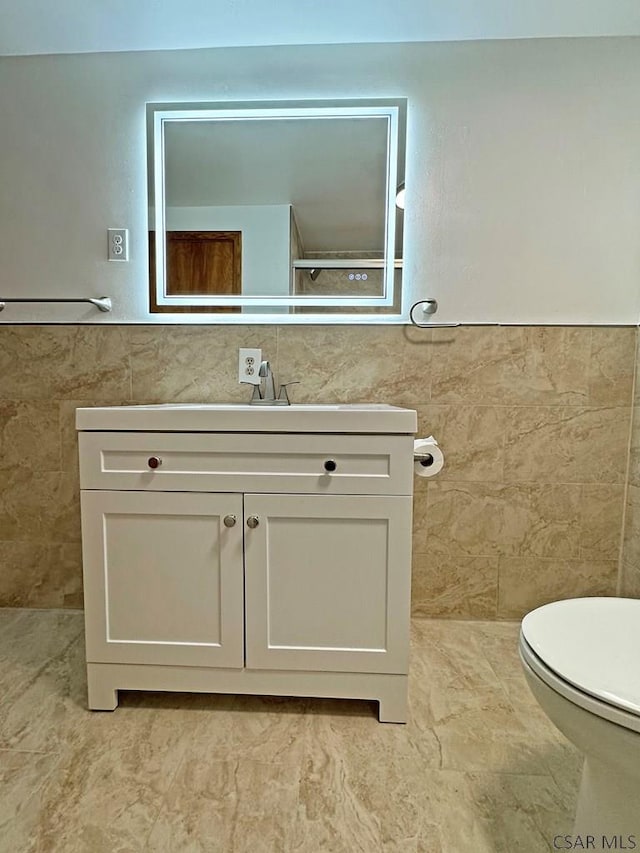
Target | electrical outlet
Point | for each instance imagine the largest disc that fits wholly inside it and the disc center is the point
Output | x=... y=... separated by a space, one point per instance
x=248 y=365
x=118 y=244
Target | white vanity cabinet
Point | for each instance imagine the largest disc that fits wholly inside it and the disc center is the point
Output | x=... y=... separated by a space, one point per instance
x=253 y=561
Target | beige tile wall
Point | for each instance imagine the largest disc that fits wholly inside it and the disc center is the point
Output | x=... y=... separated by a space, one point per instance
x=630 y=561
x=534 y=423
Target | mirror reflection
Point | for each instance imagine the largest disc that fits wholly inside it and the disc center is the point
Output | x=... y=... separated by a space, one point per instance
x=276 y=209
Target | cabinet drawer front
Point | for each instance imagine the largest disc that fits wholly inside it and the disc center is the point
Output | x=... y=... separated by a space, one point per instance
x=205 y=462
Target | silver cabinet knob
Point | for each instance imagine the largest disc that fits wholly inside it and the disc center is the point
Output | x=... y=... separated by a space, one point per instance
x=229 y=520
x=154 y=462
x=253 y=521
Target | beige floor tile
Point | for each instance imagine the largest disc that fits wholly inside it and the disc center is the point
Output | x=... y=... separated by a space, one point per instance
x=477 y=769
x=30 y=642
x=517 y=812
x=22 y=776
x=50 y=711
x=499 y=645
x=260 y=728
x=232 y=806
x=9 y=616
x=107 y=790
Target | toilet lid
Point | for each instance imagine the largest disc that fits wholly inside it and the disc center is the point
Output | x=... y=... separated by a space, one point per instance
x=592 y=643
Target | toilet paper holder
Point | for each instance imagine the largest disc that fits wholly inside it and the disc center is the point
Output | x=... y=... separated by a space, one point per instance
x=425 y=459
x=428 y=458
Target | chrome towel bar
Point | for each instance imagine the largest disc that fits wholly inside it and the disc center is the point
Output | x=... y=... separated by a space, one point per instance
x=102 y=303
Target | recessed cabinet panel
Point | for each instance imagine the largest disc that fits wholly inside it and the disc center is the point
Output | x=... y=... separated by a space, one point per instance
x=326 y=582
x=169 y=584
x=144 y=569
x=311 y=558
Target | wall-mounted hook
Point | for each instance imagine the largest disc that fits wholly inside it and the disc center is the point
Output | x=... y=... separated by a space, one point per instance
x=429 y=307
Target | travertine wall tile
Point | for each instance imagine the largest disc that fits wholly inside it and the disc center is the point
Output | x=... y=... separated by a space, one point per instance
x=534 y=423
x=471 y=437
x=634 y=450
x=28 y=500
x=29 y=435
x=629 y=581
x=487 y=519
x=630 y=585
x=511 y=365
x=611 y=366
x=66 y=427
x=549 y=366
x=454 y=586
x=53 y=362
x=355 y=364
x=65 y=575
x=469 y=364
x=195 y=364
x=63 y=518
x=601 y=517
x=527 y=582
x=637 y=367
x=25 y=567
x=37 y=574
x=566 y=444
x=631 y=544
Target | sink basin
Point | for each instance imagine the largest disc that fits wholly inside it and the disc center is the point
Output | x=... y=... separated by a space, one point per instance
x=241 y=417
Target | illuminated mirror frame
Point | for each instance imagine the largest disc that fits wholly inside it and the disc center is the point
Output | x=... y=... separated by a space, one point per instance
x=163 y=115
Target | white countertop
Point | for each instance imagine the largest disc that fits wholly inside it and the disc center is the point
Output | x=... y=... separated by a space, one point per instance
x=232 y=417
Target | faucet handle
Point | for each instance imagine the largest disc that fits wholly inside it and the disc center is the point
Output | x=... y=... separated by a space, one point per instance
x=256 y=391
x=283 y=393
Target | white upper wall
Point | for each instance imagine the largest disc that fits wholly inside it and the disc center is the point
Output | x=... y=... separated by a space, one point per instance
x=523 y=175
x=80 y=26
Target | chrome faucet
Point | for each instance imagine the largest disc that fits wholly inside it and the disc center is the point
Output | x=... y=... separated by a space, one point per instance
x=267 y=386
x=264 y=394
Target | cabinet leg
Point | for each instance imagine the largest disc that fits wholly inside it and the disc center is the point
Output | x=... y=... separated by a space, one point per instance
x=102 y=695
x=393 y=705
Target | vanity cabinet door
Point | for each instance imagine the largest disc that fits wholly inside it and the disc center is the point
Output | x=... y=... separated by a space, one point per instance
x=327 y=582
x=163 y=578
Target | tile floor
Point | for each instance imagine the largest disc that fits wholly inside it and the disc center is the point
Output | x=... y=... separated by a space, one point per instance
x=477 y=769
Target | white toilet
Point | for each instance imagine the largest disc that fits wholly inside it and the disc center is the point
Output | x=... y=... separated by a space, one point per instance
x=581 y=658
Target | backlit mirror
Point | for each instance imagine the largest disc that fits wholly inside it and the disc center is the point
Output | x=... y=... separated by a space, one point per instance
x=276 y=212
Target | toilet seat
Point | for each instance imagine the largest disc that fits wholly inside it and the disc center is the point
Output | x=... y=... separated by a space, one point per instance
x=588 y=650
